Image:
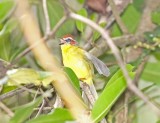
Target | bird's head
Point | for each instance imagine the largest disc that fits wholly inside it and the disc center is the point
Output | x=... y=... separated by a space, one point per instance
x=67 y=39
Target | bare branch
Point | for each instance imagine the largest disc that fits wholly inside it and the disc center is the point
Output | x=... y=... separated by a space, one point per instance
x=101 y=45
x=140 y=69
x=6 y=109
x=41 y=108
x=48 y=27
x=121 y=8
x=117 y=17
x=56 y=27
x=14 y=92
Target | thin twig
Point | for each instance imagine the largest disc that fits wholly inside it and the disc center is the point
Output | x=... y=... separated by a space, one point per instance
x=14 y=92
x=24 y=88
x=6 y=109
x=118 y=41
x=44 y=109
x=117 y=55
x=46 y=99
x=36 y=94
x=117 y=17
x=140 y=70
x=56 y=27
x=41 y=108
x=111 y=19
x=48 y=27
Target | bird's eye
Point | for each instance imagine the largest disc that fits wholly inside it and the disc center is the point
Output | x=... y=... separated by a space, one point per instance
x=68 y=40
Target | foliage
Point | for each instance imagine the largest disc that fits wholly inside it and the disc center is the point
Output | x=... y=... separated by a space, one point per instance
x=25 y=69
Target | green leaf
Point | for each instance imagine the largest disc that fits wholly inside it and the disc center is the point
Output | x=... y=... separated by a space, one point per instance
x=81 y=1
x=131 y=18
x=158 y=121
x=23 y=76
x=155 y=16
x=151 y=73
x=23 y=112
x=56 y=12
x=156 y=55
x=80 y=25
x=5 y=47
x=139 y=4
x=57 y=116
x=110 y=94
x=7 y=88
x=10 y=25
x=5 y=9
x=10 y=45
x=96 y=34
x=73 y=78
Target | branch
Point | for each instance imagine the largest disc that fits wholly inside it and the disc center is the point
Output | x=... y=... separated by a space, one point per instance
x=140 y=69
x=42 y=53
x=6 y=109
x=117 y=55
x=101 y=45
x=41 y=108
x=111 y=18
x=14 y=92
x=46 y=16
x=117 y=17
x=121 y=8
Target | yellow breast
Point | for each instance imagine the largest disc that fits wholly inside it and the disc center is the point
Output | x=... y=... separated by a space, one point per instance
x=74 y=58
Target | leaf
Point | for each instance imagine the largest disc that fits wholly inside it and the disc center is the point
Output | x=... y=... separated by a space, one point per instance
x=73 y=78
x=10 y=45
x=56 y=12
x=23 y=76
x=157 y=56
x=81 y=1
x=110 y=94
x=80 y=25
x=158 y=121
x=5 y=9
x=57 y=116
x=155 y=16
x=23 y=112
x=139 y=4
x=5 y=47
x=151 y=73
x=7 y=88
x=10 y=25
x=131 y=18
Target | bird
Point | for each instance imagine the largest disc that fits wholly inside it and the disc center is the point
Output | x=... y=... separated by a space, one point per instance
x=81 y=61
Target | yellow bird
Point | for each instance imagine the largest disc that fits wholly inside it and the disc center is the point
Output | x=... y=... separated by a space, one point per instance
x=80 y=61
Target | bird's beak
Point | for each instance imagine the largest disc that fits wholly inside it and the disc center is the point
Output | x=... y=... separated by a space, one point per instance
x=62 y=42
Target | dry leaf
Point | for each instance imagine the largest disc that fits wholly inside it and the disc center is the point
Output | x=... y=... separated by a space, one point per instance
x=97 y=5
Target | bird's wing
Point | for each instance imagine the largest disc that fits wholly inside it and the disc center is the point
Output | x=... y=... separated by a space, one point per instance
x=99 y=65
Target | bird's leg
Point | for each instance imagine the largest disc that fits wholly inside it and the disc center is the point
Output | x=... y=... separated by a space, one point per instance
x=90 y=95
